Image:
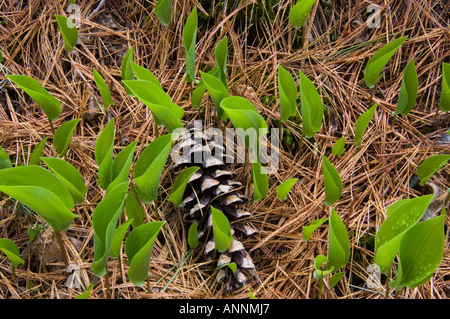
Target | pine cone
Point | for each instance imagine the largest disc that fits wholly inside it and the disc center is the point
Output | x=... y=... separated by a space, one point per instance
x=213 y=185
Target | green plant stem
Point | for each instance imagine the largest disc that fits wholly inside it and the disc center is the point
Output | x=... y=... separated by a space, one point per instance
x=388 y=278
x=371 y=96
x=107 y=285
x=51 y=126
x=62 y=248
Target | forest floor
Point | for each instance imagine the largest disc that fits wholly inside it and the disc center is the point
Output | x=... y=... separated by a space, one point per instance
x=338 y=41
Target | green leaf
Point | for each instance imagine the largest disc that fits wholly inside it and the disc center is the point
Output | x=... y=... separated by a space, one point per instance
x=103 y=152
x=400 y=217
x=68 y=31
x=244 y=116
x=41 y=191
x=33 y=233
x=63 y=135
x=49 y=104
x=10 y=249
x=158 y=101
x=217 y=90
x=420 y=253
x=149 y=167
x=299 y=12
x=198 y=92
x=260 y=181
x=285 y=188
x=338 y=147
x=232 y=266
x=86 y=294
x=311 y=107
x=338 y=242
x=378 y=61
x=138 y=248
x=121 y=165
x=142 y=73
x=127 y=70
x=408 y=91
x=431 y=165
x=104 y=222
x=287 y=94
x=189 y=40
x=179 y=186
x=163 y=11
x=119 y=235
x=444 y=103
x=103 y=88
x=193 y=235
x=221 y=230
x=5 y=162
x=362 y=123
x=308 y=230
x=333 y=183
x=134 y=209
x=221 y=54
x=319 y=272
x=69 y=176
x=35 y=158
x=334 y=279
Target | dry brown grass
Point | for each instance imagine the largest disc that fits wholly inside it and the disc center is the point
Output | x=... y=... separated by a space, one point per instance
x=374 y=176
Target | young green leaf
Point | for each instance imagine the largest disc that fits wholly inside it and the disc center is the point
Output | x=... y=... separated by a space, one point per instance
x=138 y=248
x=220 y=54
x=378 y=61
x=260 y=181
x=338 y=147
x=86 y=294
x=400 y=217
x=104 y=222
x=49 y=104
x=334 y=279
x=179 y=186
x=69 y=176
x=41 y=191
x=408 y=91
x=244 y=116
x=5 y=162
x=287 y=94
x=34 y=232
x=420 y=253
x=320 y=272
x=35 y=158
x=311 y=107
x=308 y=230
x=362 y=123
x=68 y=31
x=299 y=12
x=338 y=242
x=431 y=165
x=232 y=266
x=217 y=90
x=163 y=10
x=103 y=152
x=103 y=88
x=189 y=40
x=200 y=89
x=158 y=101
x=10 y=249
x=333 y=183
x=142 y=73
x=63 y=135
x=285 y=188
x=121 y=165
x=193 y=236
x=149 y=167
x=119 y=235
x=126 y=69
x=444 y=103
x=134 y=209
x=221 y=230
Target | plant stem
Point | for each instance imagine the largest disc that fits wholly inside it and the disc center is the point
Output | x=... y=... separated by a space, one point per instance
x=394 y=120
x=61 y=247
x=51 y=126
x=108 y=287
x=388 y=278
x=371 y=96
x=436 y=115
x=13 y=272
